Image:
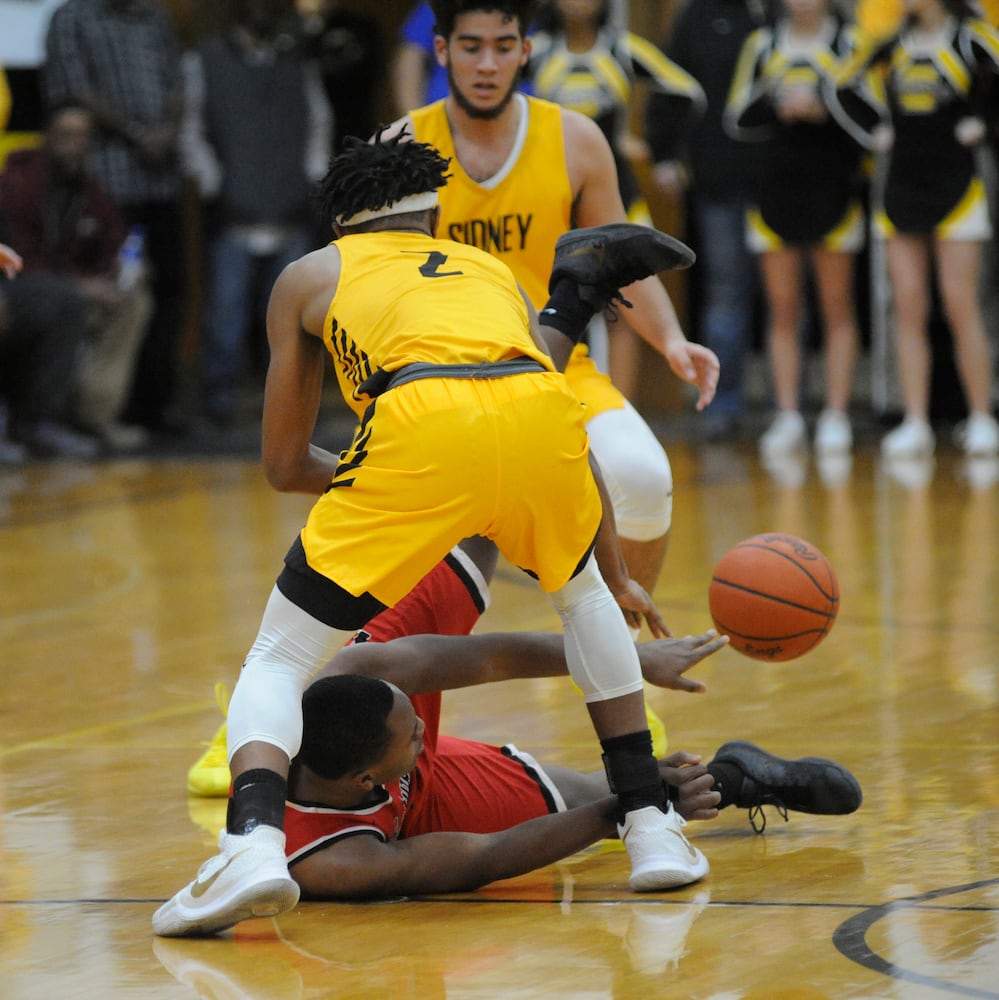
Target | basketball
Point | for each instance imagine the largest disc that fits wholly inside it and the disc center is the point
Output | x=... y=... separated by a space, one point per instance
x=775 y=596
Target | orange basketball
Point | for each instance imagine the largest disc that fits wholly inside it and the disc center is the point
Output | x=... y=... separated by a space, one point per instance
x=775 y=596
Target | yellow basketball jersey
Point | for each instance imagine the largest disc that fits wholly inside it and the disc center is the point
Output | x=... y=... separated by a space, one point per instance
x=517 y=215
x=406 y=297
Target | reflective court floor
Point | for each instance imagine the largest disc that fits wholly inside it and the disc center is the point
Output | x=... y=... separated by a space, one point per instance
x=130 y=588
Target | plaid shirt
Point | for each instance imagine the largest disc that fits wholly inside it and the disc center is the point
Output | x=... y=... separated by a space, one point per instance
x=128 y=57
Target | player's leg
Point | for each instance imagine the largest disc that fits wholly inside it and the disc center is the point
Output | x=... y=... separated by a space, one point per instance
x=833 y=271
x=782 y=270
x=604 y=664
x=741 y=775
x=639 y=480
x=748 y=777
x=958 y=269
x=590 y=265
x=423 y=610
x=908 y=260
x=249 y=876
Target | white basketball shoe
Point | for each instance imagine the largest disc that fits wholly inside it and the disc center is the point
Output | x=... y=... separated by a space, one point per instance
x=661 y=856
x=247 y=878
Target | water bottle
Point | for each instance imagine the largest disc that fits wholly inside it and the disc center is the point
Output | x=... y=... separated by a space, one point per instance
x=130 y=259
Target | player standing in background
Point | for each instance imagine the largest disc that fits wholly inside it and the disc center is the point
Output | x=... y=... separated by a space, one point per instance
x=524 y=171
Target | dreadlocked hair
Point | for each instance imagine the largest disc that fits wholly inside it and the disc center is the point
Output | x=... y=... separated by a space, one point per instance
x=368 y=175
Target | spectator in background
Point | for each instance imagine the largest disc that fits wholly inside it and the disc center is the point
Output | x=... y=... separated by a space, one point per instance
x=807 y=211
x=417 y=79
x=121 y=60
x=584 y=59
x=69 y=234
x=719 y=173
x=4 y=100
x=347 y=48
x=10 y=264
x=256 y=130
x=934 y=210
x=40 y=334
x=11 y=453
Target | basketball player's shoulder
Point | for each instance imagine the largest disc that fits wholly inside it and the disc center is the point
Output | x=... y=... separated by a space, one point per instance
x=580 y=133
x=316 y=267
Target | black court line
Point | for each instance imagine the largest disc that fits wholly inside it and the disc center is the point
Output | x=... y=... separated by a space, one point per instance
x=608 y=901
x=850 y=939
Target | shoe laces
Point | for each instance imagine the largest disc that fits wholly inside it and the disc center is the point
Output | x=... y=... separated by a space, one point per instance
x=758 y=818
x=604 y=298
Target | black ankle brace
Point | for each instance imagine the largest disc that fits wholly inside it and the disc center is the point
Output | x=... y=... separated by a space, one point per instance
x=565 y=311
x=632 y=771
x=258 y=798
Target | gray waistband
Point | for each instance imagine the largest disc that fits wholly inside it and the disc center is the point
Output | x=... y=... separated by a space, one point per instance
x=381 y=381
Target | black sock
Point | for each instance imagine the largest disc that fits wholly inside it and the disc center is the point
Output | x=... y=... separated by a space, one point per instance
x=257 y=799
x=632 y=771
x=565 y=311
x=728 y=782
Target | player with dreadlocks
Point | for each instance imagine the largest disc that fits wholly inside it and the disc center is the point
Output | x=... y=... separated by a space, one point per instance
x=465 y=428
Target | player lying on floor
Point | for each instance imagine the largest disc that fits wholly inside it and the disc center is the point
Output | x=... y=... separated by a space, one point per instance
x=381 y=805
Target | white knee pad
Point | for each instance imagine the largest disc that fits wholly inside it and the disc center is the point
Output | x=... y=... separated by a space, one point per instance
x=599 y=650
x=266 y=703
x=636 y=470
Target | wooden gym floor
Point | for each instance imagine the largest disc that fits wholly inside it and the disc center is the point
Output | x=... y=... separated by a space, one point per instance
x=131 y=587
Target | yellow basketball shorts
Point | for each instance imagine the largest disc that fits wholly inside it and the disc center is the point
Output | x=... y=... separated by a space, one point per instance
x=590 y=385
x=437 y=460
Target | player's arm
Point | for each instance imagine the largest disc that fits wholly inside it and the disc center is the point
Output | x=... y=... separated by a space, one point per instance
x=423 y=664
x=630 y=595
x=293 y=389
x=365 y=867
x=597 y=200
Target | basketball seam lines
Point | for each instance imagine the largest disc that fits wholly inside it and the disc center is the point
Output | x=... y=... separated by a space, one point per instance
x=780 y=600
x=793 y=562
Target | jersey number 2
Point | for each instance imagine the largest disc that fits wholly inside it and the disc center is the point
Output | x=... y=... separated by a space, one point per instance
x=432 y=268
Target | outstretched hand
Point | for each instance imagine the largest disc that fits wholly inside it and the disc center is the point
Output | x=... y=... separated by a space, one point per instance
x=638 y=607
x=695 y=798
x=696 y=364
x=665 y=661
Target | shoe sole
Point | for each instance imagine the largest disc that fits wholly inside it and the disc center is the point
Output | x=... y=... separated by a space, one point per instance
x=681 y=256
x=265 y=899
x=656 y=879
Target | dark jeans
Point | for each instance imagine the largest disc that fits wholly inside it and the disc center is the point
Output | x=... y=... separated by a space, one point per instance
x=729 y=287
x=154 y=384
x=39 y=346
